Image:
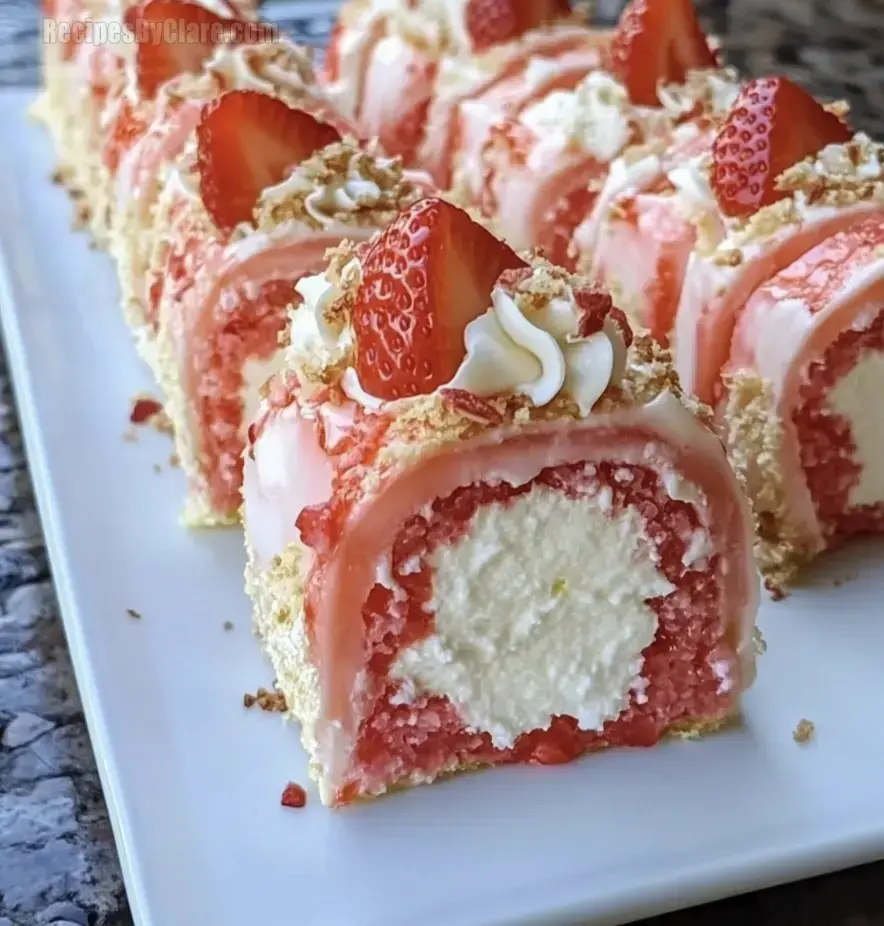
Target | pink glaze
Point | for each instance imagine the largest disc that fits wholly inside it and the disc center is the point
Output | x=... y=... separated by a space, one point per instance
x=286 y=471
x=398 y=86
x=639 y=240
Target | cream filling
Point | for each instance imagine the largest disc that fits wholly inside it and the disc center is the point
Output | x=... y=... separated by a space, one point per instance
x=524 y=631
x=855 y=398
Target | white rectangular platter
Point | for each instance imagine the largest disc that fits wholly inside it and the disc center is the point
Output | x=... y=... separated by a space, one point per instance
x=193 y=780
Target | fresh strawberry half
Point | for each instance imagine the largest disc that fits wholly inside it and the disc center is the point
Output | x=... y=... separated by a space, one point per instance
x=491 y=22
x=658 y=41
x=423 y=281
x=248 y=141
x=772 y=125
x=174 y=37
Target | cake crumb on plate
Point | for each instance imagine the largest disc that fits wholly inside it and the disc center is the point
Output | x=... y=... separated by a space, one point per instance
x=803 y=733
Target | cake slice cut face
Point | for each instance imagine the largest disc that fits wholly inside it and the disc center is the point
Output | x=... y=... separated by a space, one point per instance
x=521 y=547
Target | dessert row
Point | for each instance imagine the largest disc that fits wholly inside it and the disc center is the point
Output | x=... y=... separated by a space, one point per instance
x=486 y=522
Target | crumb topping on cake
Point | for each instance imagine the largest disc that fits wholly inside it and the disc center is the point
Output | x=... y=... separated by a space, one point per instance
x=754 y=436
x=344 y=183
x=839 y=176
x=710 y=92
x=597 y=116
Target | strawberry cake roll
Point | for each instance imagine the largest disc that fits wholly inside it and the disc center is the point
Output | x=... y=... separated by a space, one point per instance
x=119 y=50
x=470 y=98
x=150 y=139
x=773 y=125
x=385 y=58
x=457 y=435
x=543 y=165
x=268 y=191
x=801 y=387
x=655 y=205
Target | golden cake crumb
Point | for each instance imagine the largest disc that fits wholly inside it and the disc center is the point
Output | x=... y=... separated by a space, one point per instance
x=753 y=435
x=803 y=733
x=273 y=702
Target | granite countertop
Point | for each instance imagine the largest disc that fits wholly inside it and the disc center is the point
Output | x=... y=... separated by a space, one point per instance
x=58 y=863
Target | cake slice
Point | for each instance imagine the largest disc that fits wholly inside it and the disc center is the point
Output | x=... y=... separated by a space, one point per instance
x=384 y=60
x=150 y=138
x=656 y=204
x=483 y=525
x=121 y=54
x=267 y=191
x=773 y=125
x=805 y=372
x=544 y=165
x=469 y=99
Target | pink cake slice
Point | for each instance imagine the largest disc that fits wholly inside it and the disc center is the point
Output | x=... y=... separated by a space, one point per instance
x=165 y=134
x=269 y=191
x=799 y=392
x=384 y=61
x=485 y=527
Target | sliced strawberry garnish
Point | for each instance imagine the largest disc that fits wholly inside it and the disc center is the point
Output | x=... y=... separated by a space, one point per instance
x=658 y=41
x=248 y=141
x=772 y=125
x=491 y=22
x=424 y=279
x=174 y=37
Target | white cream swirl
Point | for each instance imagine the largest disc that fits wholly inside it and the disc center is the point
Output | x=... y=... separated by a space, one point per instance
x=595 y=117
x=541 y=356
x=236 y=66
x=349 y=191
x=506 y=351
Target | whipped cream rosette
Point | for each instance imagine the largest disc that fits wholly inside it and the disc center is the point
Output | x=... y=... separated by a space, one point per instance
x=484 y=525
x=268 y=189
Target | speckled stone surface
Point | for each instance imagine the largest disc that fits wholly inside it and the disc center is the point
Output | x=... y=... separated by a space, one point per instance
x=58 y=863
